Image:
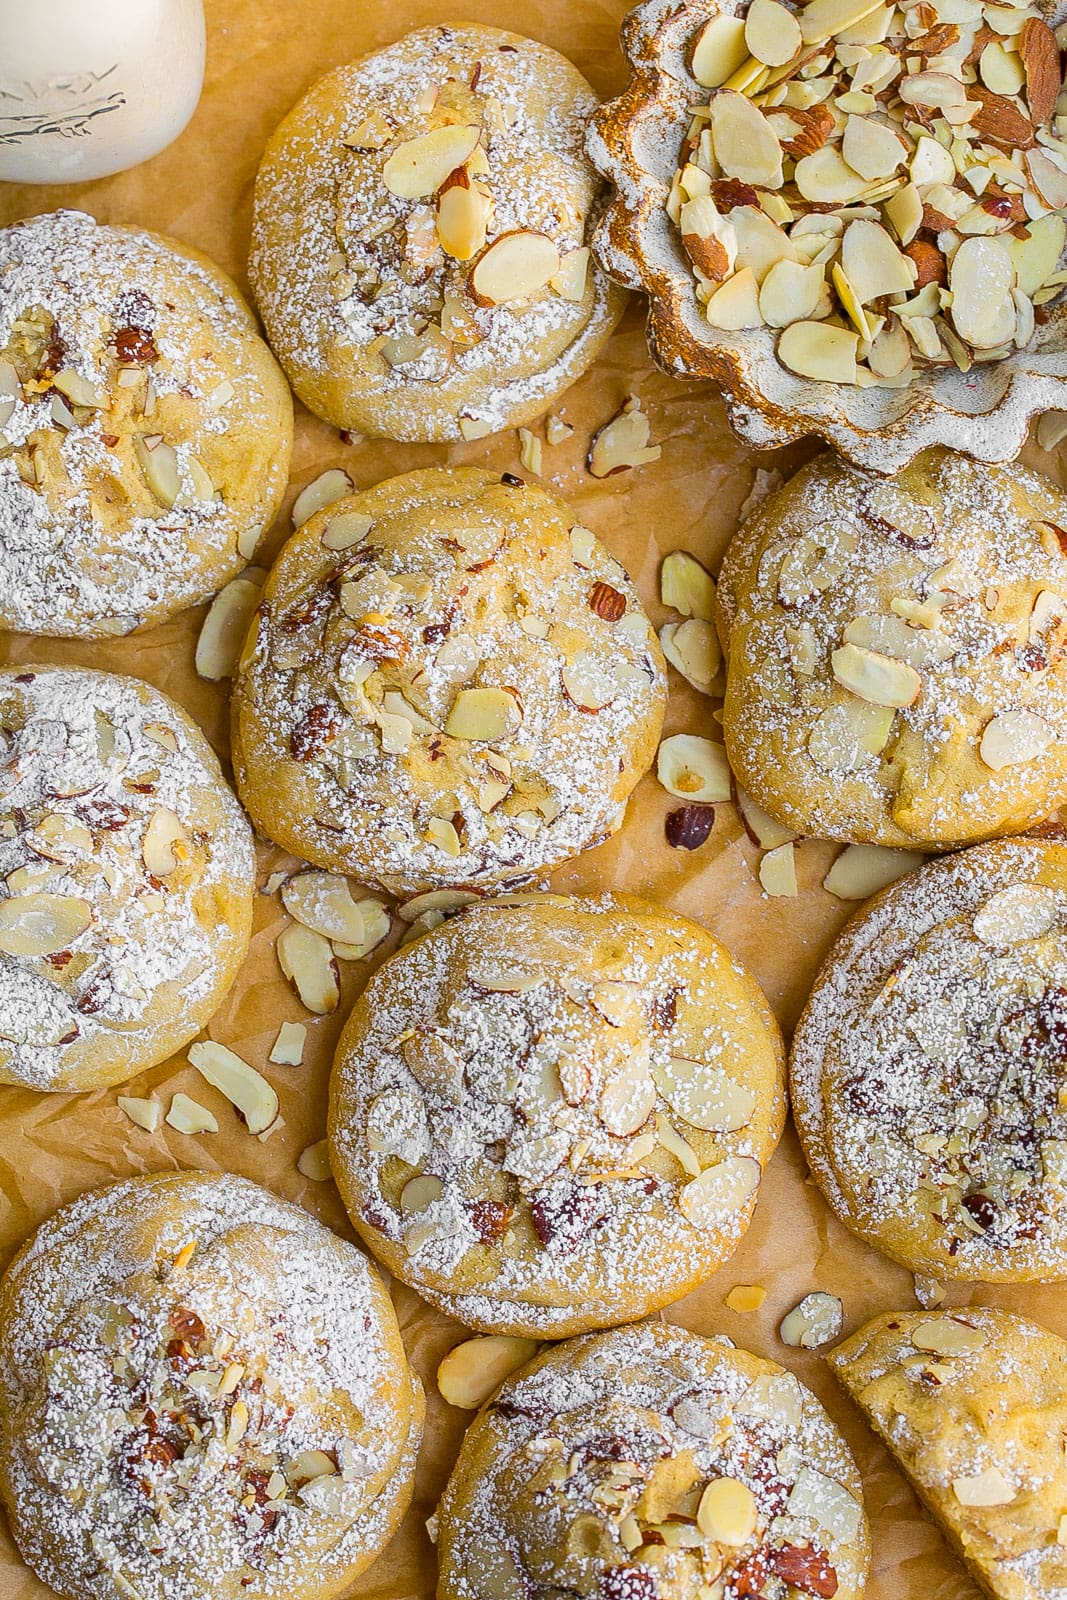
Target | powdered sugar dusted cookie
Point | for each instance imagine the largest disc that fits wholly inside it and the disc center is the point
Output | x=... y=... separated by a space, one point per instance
x=927 y=1069
x=145 y=428
x=972 y=1406
x=651 y=1464
x=203 y=1394
x=420 y=237
x=552 y=1114
x=897 y=664
x=449 y=683
x=128 y=877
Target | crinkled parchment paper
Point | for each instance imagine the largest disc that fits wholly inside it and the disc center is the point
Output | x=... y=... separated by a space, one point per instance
x=261 y=58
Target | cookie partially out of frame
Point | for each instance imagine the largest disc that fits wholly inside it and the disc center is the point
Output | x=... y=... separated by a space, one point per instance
x=128 y=875
x=551 y=1114
x=927 y=1068
x=972 y=1406
x=450 y=683
x=145 y=428
x=420 y=237
x=897 y=649
x=649 y=1463
x=204 y=1395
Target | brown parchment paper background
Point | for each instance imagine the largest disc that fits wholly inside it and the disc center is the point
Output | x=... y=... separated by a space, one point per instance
x=262 y=55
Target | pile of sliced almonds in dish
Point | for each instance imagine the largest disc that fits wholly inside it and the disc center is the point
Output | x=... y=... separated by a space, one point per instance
x=884 y=186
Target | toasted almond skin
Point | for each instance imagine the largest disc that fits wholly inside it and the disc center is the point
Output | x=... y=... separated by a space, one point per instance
x=1041 y=59
x=998 y=119
x=816 y=123
x=929 y=262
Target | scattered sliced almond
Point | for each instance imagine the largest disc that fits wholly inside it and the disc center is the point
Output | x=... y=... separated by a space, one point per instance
x=761 y=827
x=692 y=648
x=1018 y=913
x=720 y=49
x=248 y=1090
x=622 y=444
x=727 y=1512
x=475 y=1369
x=288 y=1047
x=571 y=280
x=687 y=586
x=987 y=1488
x=146 y=1113
x=314 y=1162
x=222 y=634
x=880 y=679
x=862 y=869
x=189 y=1116
x=693 y=768
x=323 y=902
x=815 y=1321
x=704 y=1095
x=947 y=1336
x=346 y=529
x=778 y=871
x=159 y=463
x=843 y=737
x=321 y=491
x=443 y=900
x=463 y=221
x=307 y=960
x=165 y=845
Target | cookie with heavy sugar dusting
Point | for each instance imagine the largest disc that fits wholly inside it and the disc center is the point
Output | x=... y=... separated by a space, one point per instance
x=449 y=683
x=551 y=1114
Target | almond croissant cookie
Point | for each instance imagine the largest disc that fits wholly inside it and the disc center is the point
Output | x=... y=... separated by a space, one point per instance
x=651 y=1464
x=449 y=683
x=420 y=237
x=145 y=428
x=128 y=876
x=972 y=1406
x=928 y=1069
x=203 y=1396
x=552 y=1114
x=897 y=666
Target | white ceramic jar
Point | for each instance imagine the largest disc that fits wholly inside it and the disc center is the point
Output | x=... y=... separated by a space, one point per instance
x=89 y=87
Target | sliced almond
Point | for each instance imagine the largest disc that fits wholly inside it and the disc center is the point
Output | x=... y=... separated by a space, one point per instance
x=443 y=900
x=147 y=1114
x=981 y=277
x=475 y=1369
x=862 y=869
x=692 y=648
x=248 y=1090
x=1018 y=913
x=314 y=1162
x=719 y=50
x=1014 y=737
x=165 y=845
x=570 y=283
x=189 y=1116
x=687 y=586
x=778 y=871
x=873 y=149
x=714 y=1200
x=772 y=33
x=844 y=737
x=761 y=827
x=322 y=491
x=418 y=167
x=323 y=902
x=945 y=1336
x=308 y=962
x=745 y=144
x=693 y=768
x=59 y=838
x=288 y=1047
x=441 y=833
x=827 y=1503
x=704 y=1095
x=159 y=463
x=622 y=444
x=346 y=529
x=376 y=927
x=727 y=1512
x=823 y=18
x=627 y=1099
x=589 y=682
x=418 y=1194
x=987 y=1488
x=815 y=1321
x=41 y=924
x=874 y=265
x=882 y=680
x=463 y=221
x=78 y=390
x=790 y=292
x=484 y=715
x=514 y=267
x=218 y=646
x=819 y=350
x=735 y=304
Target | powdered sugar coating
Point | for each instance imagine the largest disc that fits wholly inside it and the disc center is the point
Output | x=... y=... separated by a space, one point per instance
x=568 y=1479
x=524 y=1056
x=985 y=1424
x=91 y=762
x=162 y=339
x=339 y=263
x=927 y=1067
x=359 y=657
x=157 y=1416
x=955 y=570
